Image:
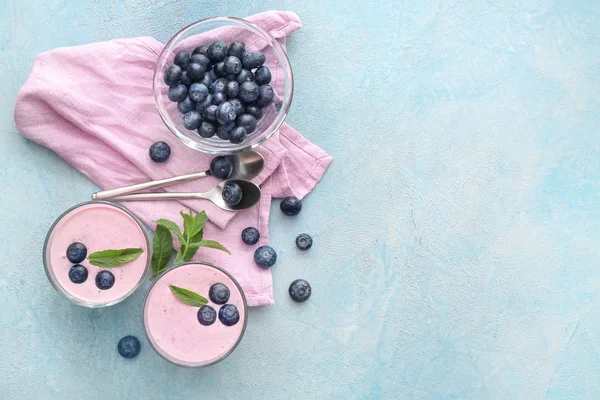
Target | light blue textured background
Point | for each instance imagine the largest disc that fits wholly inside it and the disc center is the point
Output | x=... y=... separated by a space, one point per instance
x=457 y=233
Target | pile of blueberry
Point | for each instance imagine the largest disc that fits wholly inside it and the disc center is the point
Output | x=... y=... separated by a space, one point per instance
x=220 y=90
x=76 y=253
x=228 y=313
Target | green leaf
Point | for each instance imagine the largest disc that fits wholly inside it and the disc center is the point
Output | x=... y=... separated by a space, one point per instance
x=162 y=248
x=188 y=297
x=157 y=273
x=193 y=225
x=210 y=243
x=173 y=227
x=179 y=257
x=114 y=258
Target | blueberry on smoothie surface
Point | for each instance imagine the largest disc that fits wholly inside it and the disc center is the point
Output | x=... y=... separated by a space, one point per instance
x=221 y=167
x=182 y=59
x=300 y=290
x=250 y=235
x=262 y=75
x=237 y=49
x=129 y=346
x=219 y=293
x=265 y=257
x=232 y=193
x=160 y=152
x=291 y=205
x=177 y=93
x=78 y=273
x=217 y=51
x=253 y=60
x=207 y=315
x=105 y=280
x=304 y=241
x=229 y=315
x=76 y=252
x=172 y=75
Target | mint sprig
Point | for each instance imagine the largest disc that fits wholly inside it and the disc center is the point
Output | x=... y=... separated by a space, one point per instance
x=114 y=258
x=162 y=249
x=188 y=297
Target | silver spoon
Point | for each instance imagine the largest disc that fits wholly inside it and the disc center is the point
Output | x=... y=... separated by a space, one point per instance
x=251 y=195
x=246 y=165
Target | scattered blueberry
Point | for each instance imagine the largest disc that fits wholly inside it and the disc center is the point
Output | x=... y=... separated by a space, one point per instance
x=200 y=50
x=78 y=273
x=265 y=257
x=182 y=59
x=225 y=113
x=247 y=121
x=232 y=65
x=232 y=193
x=291 y=206
x=253 y=60
x=105 y=280
x=219 y=98
x=224 y=130
x=177 y=93
x=300 y=290
x=221 y=167
x=250 y=235
x=254 y=110
x=202 y=60
x=244 y=76
x=195 y=71
x=219 y=69
x=206 y=81
x=231 y=89
x=238 y=135
x=76 y=252
x=248 y=92
x=192 y=120
x=304 y=241
x=198 y=92
x=217 y=51
x=129 y=347
x=229 y=315
x=185 y=79
x=160 y=152
x=219 y=85
x=262 y=75
x=218 y=293
x=207 y=315
x=266 y=96
x=210 y=112
x=201 y=106
x=237 y=49
x=206 y=129
x=238 y=106
x=172 y=75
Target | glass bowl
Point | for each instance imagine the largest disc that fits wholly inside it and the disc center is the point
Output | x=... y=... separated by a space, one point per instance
x=227 y=29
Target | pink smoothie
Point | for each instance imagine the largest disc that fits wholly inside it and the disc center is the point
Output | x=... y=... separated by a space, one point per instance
x=173 y=327
x=98 y=226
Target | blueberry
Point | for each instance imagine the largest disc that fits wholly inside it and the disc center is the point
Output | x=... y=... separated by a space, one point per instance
x=129 y=347
x=207 y=315
x=254 y=110
x=198 y=92
x=238 y=135
x=266 y=96
x=219 y=85
x=160 y=152
x=76 y=252
x=229 y=315
x=213 y=76
x=218 y=293
x=237 y=106
x=262 y=76
x=182 y=59
x=219 y=68
x=304 y=241
x=237 y=49
x=210 y=112
x=217 y=51
x=206 y=130
x=177 y=93
x=231 y=89
x=172 y=75
x=247 y=121
x=291 y=206
x=300 y=290
x=230 y=77
x=232 y=193
x=201 y=106
x=105 y=280
x=224 y=130
x=192 y=120
x=225 y=113
x=78 y=273
x=200 y=50
x=232 y=65
x=195 y=71
x=206 y=81
x=253 y=60
x=185 y=79
x=219 y=98
x=250 y=235
x=244 y=76
x=186 y=105
x=202 y=60
x=265 y=257
x=248 y=92
x=221 y=167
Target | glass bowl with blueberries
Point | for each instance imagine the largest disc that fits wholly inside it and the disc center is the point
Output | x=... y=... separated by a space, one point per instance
x=223 y=85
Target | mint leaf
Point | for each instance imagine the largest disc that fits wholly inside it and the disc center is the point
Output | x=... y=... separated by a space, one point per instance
x=188 y=297
x=173 y=227
x=162 y=248
x=179 y=257
x=114 y=258
x=209 y=243
x=193 y=225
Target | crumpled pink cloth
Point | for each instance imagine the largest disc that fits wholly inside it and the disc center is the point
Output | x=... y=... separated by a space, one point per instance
x=93 y=105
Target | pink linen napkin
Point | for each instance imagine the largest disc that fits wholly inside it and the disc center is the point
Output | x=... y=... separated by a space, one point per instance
x=93 y=105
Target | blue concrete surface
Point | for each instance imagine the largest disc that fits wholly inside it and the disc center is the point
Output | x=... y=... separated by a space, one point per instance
x=457 y=233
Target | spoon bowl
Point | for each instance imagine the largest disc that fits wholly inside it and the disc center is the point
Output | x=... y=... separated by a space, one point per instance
x=246 y=165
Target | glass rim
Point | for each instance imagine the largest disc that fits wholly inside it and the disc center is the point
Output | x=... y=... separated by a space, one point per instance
x=51 y=277
x=181 y=363
x=237 y=148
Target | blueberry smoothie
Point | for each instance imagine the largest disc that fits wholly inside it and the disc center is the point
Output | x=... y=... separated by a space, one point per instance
x=199 y=334
x=84 y=230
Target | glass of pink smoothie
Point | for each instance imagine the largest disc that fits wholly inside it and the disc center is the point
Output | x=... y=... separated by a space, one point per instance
x=99 y=226
x=173 y=328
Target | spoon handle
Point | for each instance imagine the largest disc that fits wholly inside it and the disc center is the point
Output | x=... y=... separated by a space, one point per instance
x=112 y=193
x=158 y=196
